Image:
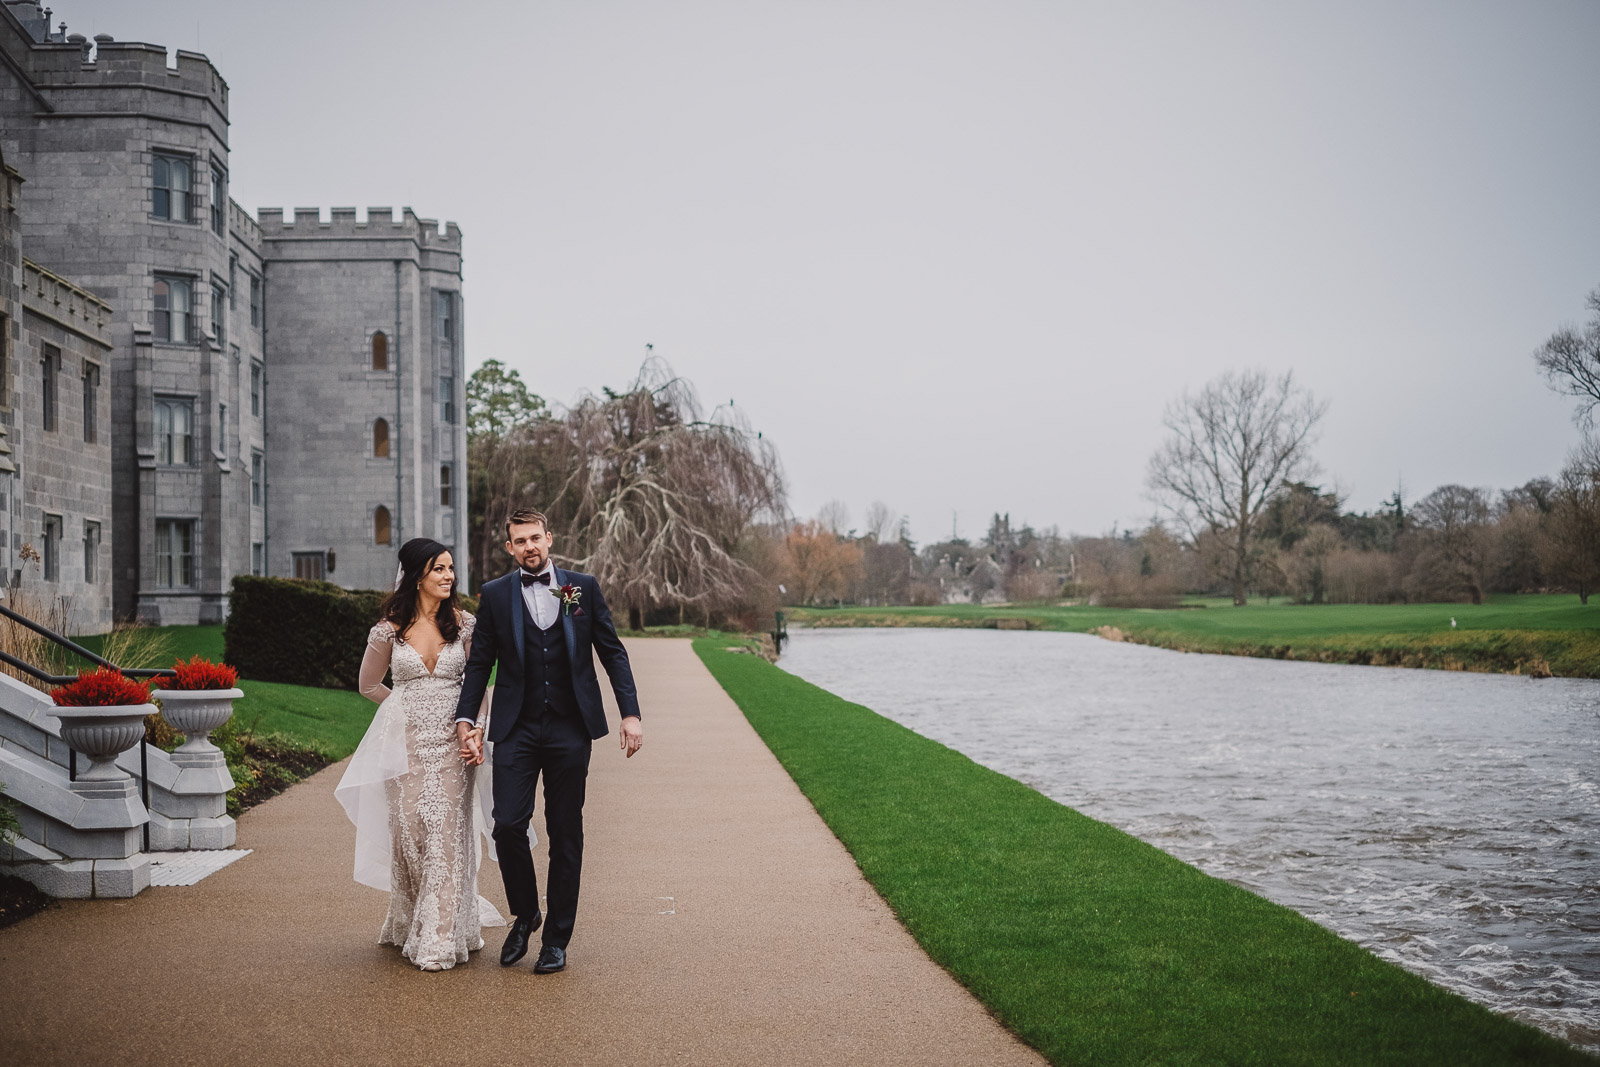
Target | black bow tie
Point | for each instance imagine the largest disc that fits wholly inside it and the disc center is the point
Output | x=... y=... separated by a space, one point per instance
x=543 y=577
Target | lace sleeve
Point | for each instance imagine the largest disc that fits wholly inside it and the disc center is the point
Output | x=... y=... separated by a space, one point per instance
x=375 y=663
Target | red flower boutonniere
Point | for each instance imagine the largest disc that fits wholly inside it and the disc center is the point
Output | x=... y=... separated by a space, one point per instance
x=568 y=595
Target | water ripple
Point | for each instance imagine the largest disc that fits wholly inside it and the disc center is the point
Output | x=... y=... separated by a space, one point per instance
x=1448 y=822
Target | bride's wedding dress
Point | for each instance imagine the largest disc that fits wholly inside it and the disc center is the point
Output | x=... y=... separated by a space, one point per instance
x=418 y=808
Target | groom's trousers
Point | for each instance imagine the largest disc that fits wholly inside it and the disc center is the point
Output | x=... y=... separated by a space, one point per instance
x=546 y=742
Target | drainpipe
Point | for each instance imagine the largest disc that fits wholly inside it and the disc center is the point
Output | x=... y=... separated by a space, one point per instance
x=398 y=524
x=266 y=452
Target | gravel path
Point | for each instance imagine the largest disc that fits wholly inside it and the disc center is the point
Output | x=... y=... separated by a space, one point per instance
x=720 y=923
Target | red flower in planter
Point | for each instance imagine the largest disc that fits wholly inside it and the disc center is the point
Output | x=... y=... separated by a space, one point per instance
x=199 y=673
x=102 y=688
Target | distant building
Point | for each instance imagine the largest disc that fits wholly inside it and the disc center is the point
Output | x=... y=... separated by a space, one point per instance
x=282 y=399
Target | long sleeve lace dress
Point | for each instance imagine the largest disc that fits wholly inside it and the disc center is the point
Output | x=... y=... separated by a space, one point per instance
x=418 y=808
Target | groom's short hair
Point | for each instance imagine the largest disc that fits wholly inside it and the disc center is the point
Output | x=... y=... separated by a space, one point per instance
x=526 y=515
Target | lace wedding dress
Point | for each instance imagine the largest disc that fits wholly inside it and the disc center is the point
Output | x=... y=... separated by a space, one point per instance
x=417 y=807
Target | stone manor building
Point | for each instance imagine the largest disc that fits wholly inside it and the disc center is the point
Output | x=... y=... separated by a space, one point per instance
x=188 y=393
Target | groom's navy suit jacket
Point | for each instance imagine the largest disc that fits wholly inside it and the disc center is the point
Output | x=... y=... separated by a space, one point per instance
x=502 y=622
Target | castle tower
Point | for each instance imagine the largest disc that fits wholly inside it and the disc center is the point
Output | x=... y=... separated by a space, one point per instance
x=126 y=163
x=366 y=429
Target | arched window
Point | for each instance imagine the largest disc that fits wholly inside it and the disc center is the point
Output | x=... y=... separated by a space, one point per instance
x=380 y=439
x=380 y=351
x=380 y=526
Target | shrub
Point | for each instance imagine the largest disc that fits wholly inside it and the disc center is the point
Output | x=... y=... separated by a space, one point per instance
x=299 y=632
x=198 y=672
x=101 y=688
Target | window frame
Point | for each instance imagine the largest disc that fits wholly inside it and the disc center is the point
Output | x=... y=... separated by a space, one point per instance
x=382 y=524
x=258 y=477
x=257 y=378
x=91 y=402
x=446 y=485
x=53 y=529
x=381 y=448
x=219 y=314
x=167 y=436
x=320 y=559
x=175 y=561
x=162 y=318
x=91 y=551
x=255 y=299
x=219 y=214
x=258 y=559
x=50 y=386
x=165 y=194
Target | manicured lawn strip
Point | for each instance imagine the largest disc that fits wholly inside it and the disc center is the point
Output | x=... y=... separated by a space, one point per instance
x=332 y=720
x=1523 y=633
x=1091 y=945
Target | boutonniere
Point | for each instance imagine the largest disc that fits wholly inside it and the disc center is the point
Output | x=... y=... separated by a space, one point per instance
x=568 y=595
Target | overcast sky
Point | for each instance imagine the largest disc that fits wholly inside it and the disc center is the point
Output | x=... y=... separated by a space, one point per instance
x=958 y=257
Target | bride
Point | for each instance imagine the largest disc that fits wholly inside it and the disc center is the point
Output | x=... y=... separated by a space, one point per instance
x=417 y=798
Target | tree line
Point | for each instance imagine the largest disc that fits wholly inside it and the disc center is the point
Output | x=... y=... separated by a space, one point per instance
x=684 y=516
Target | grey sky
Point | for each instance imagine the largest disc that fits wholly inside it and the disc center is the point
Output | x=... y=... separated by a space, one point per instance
x=959 y=256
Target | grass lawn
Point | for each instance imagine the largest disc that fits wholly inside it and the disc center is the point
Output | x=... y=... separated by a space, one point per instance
x=330 y=720
x=1091 y=945
x=1525 y=633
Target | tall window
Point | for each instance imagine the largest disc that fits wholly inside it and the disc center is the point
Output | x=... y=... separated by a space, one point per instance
x=255 y=388
x=52 y=548
x=233 y=282
x=174 y=553
x=380 y=526
x=258 y=559
x=255 y=300
x=444 y=486
x=5 y=358
x=380 y=439
x=50 y=360
x=310 y=565
x=91 y=402
x=444 y=319
x=258 y=476
x=174 y=189
x=219 y=317
x=380 y=351
x=222 y=430
x=447 y=398
x=173 y=314
x=219 y=203
x=91 y=551
x=175 y=431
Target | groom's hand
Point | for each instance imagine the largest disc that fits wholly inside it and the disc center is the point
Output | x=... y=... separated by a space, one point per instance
x=632 y=735
x=470 y=740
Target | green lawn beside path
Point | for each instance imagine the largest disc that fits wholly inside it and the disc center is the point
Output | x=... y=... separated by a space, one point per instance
x=1091 y=945
x=329 y=720
x=1527 y=634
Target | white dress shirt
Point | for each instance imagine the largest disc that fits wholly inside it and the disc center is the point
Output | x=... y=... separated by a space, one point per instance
x=545 y=609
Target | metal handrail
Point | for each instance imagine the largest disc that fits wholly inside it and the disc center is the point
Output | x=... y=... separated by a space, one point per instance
x=63 y=679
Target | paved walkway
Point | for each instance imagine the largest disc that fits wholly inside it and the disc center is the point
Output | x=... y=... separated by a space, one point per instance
x=721 y=923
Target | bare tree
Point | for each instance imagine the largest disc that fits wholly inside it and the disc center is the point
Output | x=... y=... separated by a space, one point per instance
x=835 y=517
x=657 y=499
x=1453 y=527
x=1571 y=548
x=819 y=565
x=879 y=523
x=1232 y=448
x=1570 y=360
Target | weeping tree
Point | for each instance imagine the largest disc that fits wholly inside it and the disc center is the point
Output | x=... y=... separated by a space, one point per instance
x=657 y=500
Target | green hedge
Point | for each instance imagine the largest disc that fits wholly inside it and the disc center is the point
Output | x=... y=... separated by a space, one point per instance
x=301 y=632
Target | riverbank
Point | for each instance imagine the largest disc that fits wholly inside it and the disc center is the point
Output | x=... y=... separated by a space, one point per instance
x=1091 y=945
x=1536 y=635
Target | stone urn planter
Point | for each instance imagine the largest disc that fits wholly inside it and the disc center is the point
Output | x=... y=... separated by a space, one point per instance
x=194 y=713
x=102 y=734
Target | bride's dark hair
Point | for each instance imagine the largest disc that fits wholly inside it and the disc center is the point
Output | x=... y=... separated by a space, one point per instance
x=400 y=607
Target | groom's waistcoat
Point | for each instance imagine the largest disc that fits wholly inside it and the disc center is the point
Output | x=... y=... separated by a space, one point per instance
x=546 y=671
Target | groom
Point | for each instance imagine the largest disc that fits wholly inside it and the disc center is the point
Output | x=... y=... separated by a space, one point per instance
x=542 y=626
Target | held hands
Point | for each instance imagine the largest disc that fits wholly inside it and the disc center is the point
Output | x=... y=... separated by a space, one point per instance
x=631 y=735
x=470 y=740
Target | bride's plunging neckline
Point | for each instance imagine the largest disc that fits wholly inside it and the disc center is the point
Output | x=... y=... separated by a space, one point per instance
x=418 y=653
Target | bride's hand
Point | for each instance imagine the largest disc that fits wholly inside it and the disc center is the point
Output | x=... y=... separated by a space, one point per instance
x=471 y=742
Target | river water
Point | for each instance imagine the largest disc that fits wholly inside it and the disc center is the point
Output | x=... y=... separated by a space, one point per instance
x=1449 y=822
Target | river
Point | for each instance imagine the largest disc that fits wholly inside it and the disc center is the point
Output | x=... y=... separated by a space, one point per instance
x=1449 y=822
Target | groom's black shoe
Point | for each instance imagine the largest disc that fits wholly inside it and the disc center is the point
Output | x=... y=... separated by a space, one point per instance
x=516 y=945
x=551 y=960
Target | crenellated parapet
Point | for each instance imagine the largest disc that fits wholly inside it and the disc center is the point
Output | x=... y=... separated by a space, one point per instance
x=77 y=63
x=53 y=297
x=241 y=223
x=381 y=222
